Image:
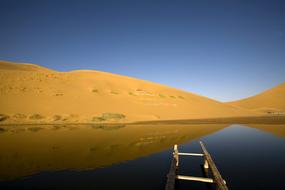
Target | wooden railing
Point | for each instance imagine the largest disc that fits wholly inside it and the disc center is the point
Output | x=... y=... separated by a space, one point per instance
x=208 y=164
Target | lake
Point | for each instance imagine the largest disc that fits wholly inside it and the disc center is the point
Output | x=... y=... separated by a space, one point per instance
x=138 y=156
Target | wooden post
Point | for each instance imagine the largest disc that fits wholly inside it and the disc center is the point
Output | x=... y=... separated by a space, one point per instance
x=221 y=185
x=206 y=165
x=206 y=168
x=176 y=155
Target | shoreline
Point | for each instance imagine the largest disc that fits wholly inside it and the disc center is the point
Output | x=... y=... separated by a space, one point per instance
x=267 y=119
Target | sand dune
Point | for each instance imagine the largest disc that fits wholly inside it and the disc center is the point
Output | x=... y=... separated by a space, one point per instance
x=34 y=94
x=271 y=101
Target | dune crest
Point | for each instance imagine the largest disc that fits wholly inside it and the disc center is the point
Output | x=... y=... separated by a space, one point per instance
x=271 y=101
x=34 y=94
x=7 y=65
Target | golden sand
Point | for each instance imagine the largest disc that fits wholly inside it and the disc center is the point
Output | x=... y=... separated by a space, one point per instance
x=33 y=94
x=271 y=101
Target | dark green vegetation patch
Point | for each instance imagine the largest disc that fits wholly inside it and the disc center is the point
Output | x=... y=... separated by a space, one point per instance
x=3 y=117
x=36 y=116
x=35 y=129
x=113 y=116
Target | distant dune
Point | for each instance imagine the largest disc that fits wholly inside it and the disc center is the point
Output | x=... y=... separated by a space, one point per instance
x=271 y=101
x=33 y=94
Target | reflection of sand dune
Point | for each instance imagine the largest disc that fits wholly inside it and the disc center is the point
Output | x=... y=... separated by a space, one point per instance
x=33 y=94
x=28 y=149
x=271 y=101
x=278 y=130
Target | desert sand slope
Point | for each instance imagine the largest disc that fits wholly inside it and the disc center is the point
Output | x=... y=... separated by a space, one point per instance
x=33 y=94
x=271 y=101
x=6 y=65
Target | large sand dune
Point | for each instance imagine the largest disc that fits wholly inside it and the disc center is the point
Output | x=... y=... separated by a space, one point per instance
x=34 y=94
x=271 y=101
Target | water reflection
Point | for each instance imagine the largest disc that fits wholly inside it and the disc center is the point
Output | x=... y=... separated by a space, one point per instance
x=26 y=150
x=277 y=130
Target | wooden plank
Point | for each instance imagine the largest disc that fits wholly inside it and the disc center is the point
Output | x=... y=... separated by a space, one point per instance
x=171 y=176
x=221 y=185
x=193 y=178
x=189 y=154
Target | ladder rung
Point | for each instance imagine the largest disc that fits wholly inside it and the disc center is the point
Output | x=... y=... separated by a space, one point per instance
x=193 y=178
x=190 y=154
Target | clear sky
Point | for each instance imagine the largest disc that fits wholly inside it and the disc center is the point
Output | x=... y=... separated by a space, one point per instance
x=225 y=50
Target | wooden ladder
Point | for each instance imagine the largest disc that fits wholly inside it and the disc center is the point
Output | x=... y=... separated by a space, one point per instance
x=208 y=164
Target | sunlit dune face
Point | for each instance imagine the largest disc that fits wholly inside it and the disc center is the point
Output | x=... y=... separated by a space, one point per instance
x=33 y=94
x=270 y=102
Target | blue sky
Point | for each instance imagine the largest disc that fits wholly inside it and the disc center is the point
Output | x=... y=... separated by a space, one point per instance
x=223 y=49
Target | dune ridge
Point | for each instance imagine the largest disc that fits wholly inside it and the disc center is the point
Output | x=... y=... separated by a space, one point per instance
x=271 y=101
x=34 y=94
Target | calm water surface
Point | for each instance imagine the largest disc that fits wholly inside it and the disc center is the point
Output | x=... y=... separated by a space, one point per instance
x=138 y=157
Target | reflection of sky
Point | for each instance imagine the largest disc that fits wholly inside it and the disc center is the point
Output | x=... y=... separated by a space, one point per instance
x=223 y=49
